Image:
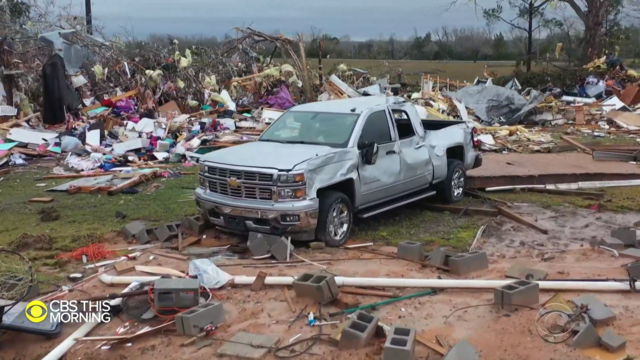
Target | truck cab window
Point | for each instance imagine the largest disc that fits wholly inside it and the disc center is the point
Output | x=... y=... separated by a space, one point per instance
x=404 y=125
x=376 y=129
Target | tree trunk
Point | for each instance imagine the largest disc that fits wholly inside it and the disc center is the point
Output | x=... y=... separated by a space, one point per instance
x=593 y=18
x=530 y=36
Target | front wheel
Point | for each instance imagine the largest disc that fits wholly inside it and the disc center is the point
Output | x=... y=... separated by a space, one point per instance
x=335 y=218
x=451 y=189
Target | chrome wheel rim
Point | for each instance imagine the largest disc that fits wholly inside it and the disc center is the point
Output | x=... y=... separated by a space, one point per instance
x=338 y=221
x=457 y=183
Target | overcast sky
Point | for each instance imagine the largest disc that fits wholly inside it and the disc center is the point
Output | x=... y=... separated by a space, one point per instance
x=360 y=19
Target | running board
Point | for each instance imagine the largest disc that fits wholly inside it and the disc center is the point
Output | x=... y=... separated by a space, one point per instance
x=388 y=206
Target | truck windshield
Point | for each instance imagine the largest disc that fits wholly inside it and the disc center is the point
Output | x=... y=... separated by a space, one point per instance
x=301 y=127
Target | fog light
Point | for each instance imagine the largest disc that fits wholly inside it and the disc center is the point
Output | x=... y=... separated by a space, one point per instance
x=290 y=218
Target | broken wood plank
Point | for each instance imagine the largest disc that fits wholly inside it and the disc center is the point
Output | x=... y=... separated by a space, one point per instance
x=124 y=267
x=113 y=99
x=356 y=291
x=565 y=192
x=171 y=256
x=88 y=189
x=4 y=171
x=464 y=210
x=479 y=195
x=41 y=200
x=577 y=144
x=430 y=344
x=159 y=270
x=258 y=283
x=443 y=342
x=288 y=298
x=186 y=242
x=509 y=215
x=77 y=176
x=133 y=182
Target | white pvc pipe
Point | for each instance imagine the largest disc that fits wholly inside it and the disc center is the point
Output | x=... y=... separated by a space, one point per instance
x=124 y=280
x=406 y=283
x=64 y=346
x=579 y=100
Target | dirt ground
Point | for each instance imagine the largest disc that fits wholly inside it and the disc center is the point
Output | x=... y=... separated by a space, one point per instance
x=495 y=333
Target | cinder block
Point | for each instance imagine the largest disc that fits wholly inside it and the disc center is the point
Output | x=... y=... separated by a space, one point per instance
x=632 y=253
x=519 y=271
x=193 y=321
x=257 y=244
x=440 y=257
x=145 y=235
x=280 y=249
x=176 y=293
x=518 y=293
x=319 y=287
x=587 y=299
x=462 y=350
x=411 y=250
x=612 y=341
x=473 y=261
x=195 y=224
x=627 y=235
x=587 y=338
x=132 y=228
x=600 y=314
x=612 y=243
x=358 y=331
x=400 y=344
x=166 y=232
x=634 y=270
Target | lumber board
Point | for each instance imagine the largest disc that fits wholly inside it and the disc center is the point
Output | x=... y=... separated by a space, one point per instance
x=509 y=215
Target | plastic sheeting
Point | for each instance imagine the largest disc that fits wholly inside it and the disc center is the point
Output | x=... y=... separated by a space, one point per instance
x=497 y=105
x=208 y=274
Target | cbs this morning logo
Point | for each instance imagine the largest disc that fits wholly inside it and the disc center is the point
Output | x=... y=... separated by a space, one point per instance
x=68 y=311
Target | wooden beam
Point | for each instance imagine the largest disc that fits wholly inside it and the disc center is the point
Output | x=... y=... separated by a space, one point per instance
x=77 y=176
x=464 y=210
x=41 y=200
x=133 y=182
x=565 y=192
x=288 y=298
x=258 y=283
x=509 y=215
x=577 y=144
x=114 y=99
x=356 y=291
x=170 y=256
x=430 y=344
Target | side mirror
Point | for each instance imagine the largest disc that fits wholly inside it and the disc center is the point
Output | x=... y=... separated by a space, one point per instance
x=370 y=154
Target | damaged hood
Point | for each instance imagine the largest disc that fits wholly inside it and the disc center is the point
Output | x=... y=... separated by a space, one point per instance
x=271 y=155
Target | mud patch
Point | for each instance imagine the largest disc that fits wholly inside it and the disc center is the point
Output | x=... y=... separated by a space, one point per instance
x=29 y=242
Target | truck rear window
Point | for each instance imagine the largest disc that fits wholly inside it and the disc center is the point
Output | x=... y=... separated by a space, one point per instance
x=301 y=127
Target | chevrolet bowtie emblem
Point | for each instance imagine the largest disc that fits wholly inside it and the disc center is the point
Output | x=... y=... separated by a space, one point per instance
x=233 y=183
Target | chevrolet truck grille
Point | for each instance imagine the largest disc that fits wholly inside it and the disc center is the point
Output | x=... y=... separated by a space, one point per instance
x=242 y=191
x=240 y=175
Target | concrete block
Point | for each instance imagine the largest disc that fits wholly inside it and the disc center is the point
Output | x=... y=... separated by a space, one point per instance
x=411 y=250
x=634 y=270
x=587 y=299
x=320 y=287
x=400 y=344
x=473 y=261
x=176 y=293
x=587 y=338
x=195 y=224
x=166 y=232
x=462 y=350
x=613 y=243
x=280 y=249
x=627 y=235
x=440 y=257
x=193 y=321
x=245 y=345
x=632 y=253
x=132 y=228
x=519 y=271
x=600 y=315
x=522 y=292
x=612 y=341
x=145 y=235
x=358 y=331
x=257 y=244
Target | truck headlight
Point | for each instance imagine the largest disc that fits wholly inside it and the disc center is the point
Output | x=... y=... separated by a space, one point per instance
x=292 y=193
x=202 y=181
x=202 y=168
x=291 y=178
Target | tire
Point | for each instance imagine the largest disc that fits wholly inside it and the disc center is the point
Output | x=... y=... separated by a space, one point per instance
x=332 y=202
x=448 y=192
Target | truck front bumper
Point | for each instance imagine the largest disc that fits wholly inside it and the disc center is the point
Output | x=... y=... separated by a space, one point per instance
x=297 y=219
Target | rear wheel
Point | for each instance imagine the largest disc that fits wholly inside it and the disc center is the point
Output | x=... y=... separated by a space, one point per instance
x=451 y=189
x=335 y=218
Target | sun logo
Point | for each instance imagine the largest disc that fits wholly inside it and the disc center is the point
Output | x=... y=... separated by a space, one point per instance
x=36 y=311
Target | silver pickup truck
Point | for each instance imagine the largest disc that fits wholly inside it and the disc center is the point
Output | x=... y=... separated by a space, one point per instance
x=320 y=164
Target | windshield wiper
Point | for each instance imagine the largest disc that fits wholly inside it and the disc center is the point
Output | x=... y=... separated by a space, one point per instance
x=295 y=142
x=270 y=140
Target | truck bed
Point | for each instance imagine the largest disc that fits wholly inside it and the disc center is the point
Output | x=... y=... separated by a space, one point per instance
x=433 y=125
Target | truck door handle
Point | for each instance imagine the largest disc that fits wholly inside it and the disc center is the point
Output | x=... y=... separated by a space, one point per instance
x=391 y=152
x=418 y=146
